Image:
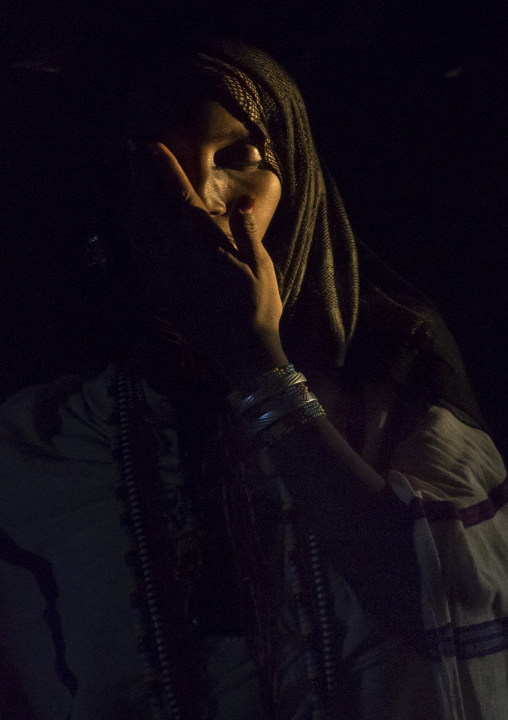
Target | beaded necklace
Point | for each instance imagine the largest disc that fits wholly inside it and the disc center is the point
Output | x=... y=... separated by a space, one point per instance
x=162 y=635
x=165 y=640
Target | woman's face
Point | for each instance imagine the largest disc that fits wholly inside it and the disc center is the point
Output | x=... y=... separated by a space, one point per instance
x=223 y=161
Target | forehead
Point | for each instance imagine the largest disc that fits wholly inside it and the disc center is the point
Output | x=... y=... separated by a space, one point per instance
x=210 y=120
x=207 y=121
x=191 y=100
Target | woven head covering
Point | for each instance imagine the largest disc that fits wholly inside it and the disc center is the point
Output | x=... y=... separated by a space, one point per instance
x=315 y=253
x=254 y=87
x=310 y=240
x=387 y=328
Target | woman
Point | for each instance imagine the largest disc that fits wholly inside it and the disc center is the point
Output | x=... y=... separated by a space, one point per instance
x=325 y=541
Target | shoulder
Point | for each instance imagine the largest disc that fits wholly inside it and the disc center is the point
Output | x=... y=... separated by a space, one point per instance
x=54 y=439
x=35 y=418
x=446 y=458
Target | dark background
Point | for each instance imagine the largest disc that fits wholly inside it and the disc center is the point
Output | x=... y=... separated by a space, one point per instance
x=408 y=105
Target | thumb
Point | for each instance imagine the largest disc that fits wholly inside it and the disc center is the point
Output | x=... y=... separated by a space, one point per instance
x=242 y=223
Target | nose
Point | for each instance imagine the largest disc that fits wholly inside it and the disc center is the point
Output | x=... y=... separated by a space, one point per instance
x=208 y=183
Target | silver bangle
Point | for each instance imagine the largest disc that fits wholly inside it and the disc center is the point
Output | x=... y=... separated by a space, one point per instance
x=291 y=422
x=279 y=394
x=261 y=423
x=275 y=386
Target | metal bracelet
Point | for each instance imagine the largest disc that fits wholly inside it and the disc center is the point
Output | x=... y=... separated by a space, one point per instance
x=268 y=418
x=276 y=384
x=291 y=422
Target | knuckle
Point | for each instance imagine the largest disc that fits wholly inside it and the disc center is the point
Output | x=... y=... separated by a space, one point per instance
x=249 y=222
x=186 y=195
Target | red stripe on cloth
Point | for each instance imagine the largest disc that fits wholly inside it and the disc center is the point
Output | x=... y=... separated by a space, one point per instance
x=435 y=510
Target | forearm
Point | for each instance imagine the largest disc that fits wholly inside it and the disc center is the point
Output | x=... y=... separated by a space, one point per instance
x=363 y=529
x=320 y=463
x=326 y=476
x=329 y=481
x=361 y=524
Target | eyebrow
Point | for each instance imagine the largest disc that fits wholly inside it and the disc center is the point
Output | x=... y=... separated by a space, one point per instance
x=239 y=134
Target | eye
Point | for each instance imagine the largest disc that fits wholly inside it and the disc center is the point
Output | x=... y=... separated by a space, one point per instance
x=241 y=156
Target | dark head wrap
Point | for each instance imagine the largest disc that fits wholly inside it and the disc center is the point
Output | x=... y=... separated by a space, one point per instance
x=338 y=296
x=344 y=309
x=258 y=92
x=301 y=239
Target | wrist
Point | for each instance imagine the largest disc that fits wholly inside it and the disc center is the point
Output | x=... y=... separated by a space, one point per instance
x=240 y=373
x=241 y=376
x=274 y=404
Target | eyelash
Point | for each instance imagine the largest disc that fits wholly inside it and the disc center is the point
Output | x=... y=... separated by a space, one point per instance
x=231 y=163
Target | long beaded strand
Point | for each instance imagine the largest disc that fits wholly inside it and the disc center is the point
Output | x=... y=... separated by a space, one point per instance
x=307 y=623
x=128 y=393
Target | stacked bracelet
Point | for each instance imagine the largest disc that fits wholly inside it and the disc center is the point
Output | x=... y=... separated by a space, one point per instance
x=291 y=422
x=265 y=386
x=277 y=402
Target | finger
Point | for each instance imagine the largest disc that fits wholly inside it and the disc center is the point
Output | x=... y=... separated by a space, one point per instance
x=146 y=180
x=242 y=224
x=173 y=175
x=230 y=255
x=175 y=179
x=177 y=182
x=243 y=227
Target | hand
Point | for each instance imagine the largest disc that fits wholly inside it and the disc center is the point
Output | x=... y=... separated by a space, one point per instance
x=213 y=277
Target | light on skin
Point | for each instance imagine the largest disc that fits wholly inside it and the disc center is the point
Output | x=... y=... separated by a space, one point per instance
x=215 y=165
x=217 y=155
x=215 y=271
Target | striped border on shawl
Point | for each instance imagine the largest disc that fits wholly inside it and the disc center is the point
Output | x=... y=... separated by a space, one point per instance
x=467 y=642
x=435 y=510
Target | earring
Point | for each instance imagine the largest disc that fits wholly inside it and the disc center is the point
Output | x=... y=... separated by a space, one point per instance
x=95 y=253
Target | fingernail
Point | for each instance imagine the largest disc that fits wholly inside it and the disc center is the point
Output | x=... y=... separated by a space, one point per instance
x=247 y=204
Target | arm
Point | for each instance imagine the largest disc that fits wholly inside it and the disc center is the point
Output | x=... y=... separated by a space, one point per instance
x=402 y=564
x=230 y=309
